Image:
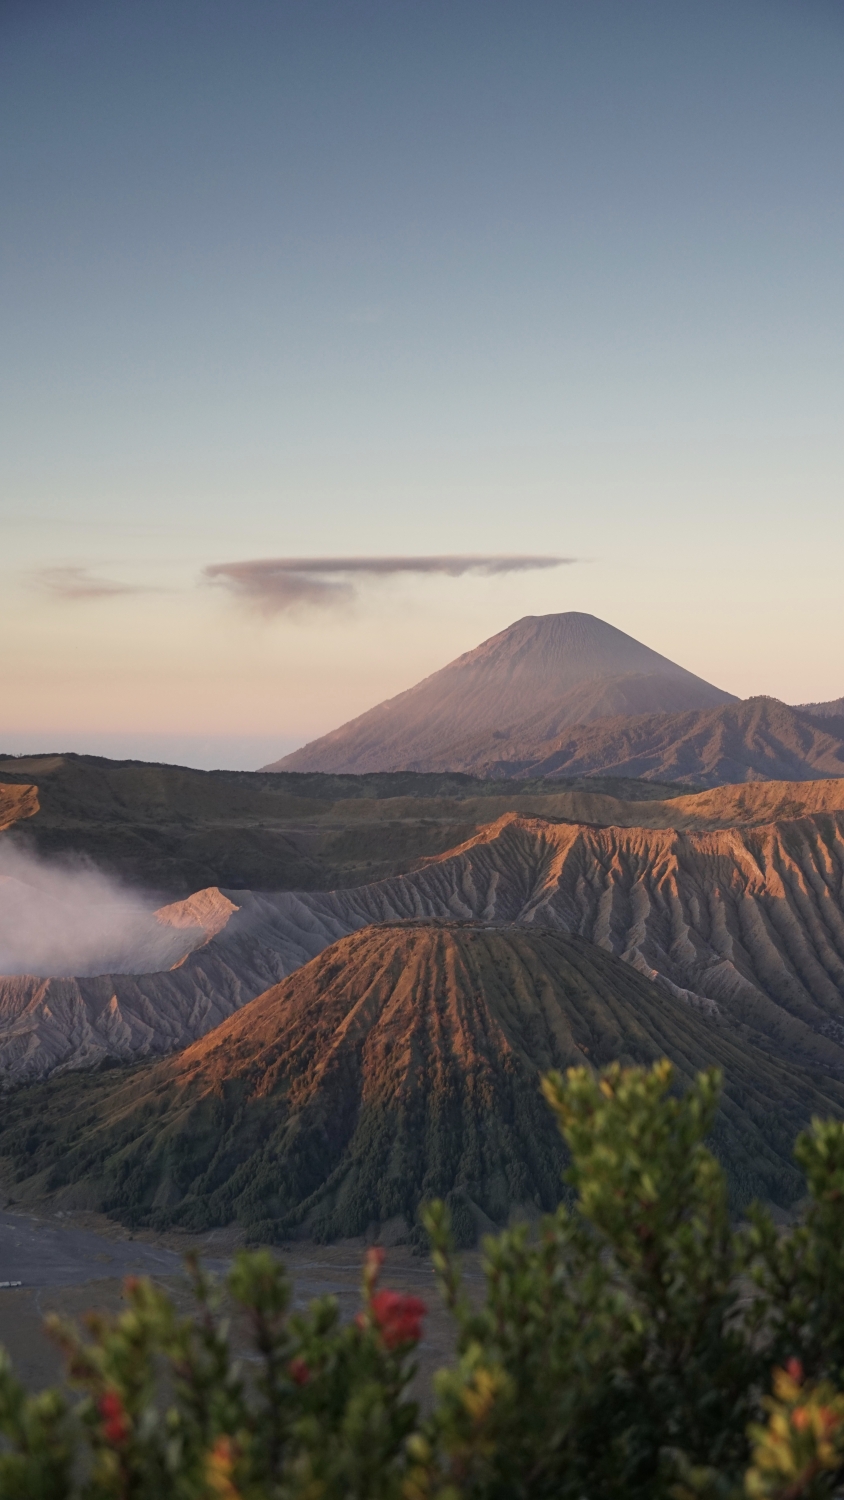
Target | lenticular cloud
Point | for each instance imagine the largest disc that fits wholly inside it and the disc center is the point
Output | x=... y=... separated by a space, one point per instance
x=276 y=585
x=66 y=917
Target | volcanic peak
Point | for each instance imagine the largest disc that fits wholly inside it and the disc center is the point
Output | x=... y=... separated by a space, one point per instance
x=401 y=1064
x=544 y=671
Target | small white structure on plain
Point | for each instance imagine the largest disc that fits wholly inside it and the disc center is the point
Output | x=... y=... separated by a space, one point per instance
x=10 y=1283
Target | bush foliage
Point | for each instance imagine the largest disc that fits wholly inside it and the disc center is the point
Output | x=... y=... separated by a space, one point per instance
x=635 y=1344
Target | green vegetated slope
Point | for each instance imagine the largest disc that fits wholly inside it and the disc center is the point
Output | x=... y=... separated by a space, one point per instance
x=177 y=830
x=403 y=1063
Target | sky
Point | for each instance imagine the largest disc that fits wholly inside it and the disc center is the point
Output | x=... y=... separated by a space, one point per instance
x=338 y=336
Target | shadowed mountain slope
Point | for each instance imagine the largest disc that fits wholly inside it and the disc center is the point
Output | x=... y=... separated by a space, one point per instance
x=173 y=830
x=735 y=896
x=545 y=671
x=833 y=709
x=759 y=739
x=401 y=1064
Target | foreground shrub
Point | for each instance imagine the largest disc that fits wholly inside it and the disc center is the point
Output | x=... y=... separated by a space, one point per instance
x=637 y=1344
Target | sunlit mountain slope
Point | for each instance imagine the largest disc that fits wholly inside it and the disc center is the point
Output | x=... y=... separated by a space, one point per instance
x=738 y=903
x=402 y=1063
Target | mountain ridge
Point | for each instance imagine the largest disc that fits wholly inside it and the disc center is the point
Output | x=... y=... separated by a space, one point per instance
x=752 y=739
x=731 y=899
x=744 y=740
x=172 y=831
x=833 y=709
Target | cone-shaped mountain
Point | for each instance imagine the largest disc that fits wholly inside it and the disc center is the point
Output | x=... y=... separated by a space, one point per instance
x=403 y=1063
x=545 y=672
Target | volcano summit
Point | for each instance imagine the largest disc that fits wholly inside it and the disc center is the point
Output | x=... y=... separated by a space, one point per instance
x=530 y=682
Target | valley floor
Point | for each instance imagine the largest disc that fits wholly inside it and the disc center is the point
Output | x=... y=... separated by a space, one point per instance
x=72 y=1263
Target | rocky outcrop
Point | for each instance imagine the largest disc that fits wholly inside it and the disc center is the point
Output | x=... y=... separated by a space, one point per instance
x=17 y=801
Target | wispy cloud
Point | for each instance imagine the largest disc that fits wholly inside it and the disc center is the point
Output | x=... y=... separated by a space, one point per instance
x=276 y=585
x=78 y=583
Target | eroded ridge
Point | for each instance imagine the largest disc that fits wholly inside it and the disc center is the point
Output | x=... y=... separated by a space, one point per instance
x=747 y=921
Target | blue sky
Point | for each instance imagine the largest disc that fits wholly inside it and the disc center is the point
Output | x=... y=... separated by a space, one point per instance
x=406 y=279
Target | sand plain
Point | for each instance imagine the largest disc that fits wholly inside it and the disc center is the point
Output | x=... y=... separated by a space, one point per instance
x=76 y=1262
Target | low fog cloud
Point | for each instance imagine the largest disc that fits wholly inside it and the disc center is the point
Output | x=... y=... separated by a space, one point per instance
x=78 y=583
x=275 y=585
x=66 y=917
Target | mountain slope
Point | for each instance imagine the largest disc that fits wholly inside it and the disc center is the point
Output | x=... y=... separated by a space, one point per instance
x=549 y=670
x=401 y=1064
x=173 y=830
x=734 y=897
x=16 y=803
x=834 y=709
x=759 y=739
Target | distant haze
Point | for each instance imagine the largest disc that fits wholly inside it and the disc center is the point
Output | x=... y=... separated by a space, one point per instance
x=207 y=752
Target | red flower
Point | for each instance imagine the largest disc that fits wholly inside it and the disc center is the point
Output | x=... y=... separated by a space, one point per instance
x=795 y=1370
x=298 y=1371
x=115 y=1420
x=397 y=1318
